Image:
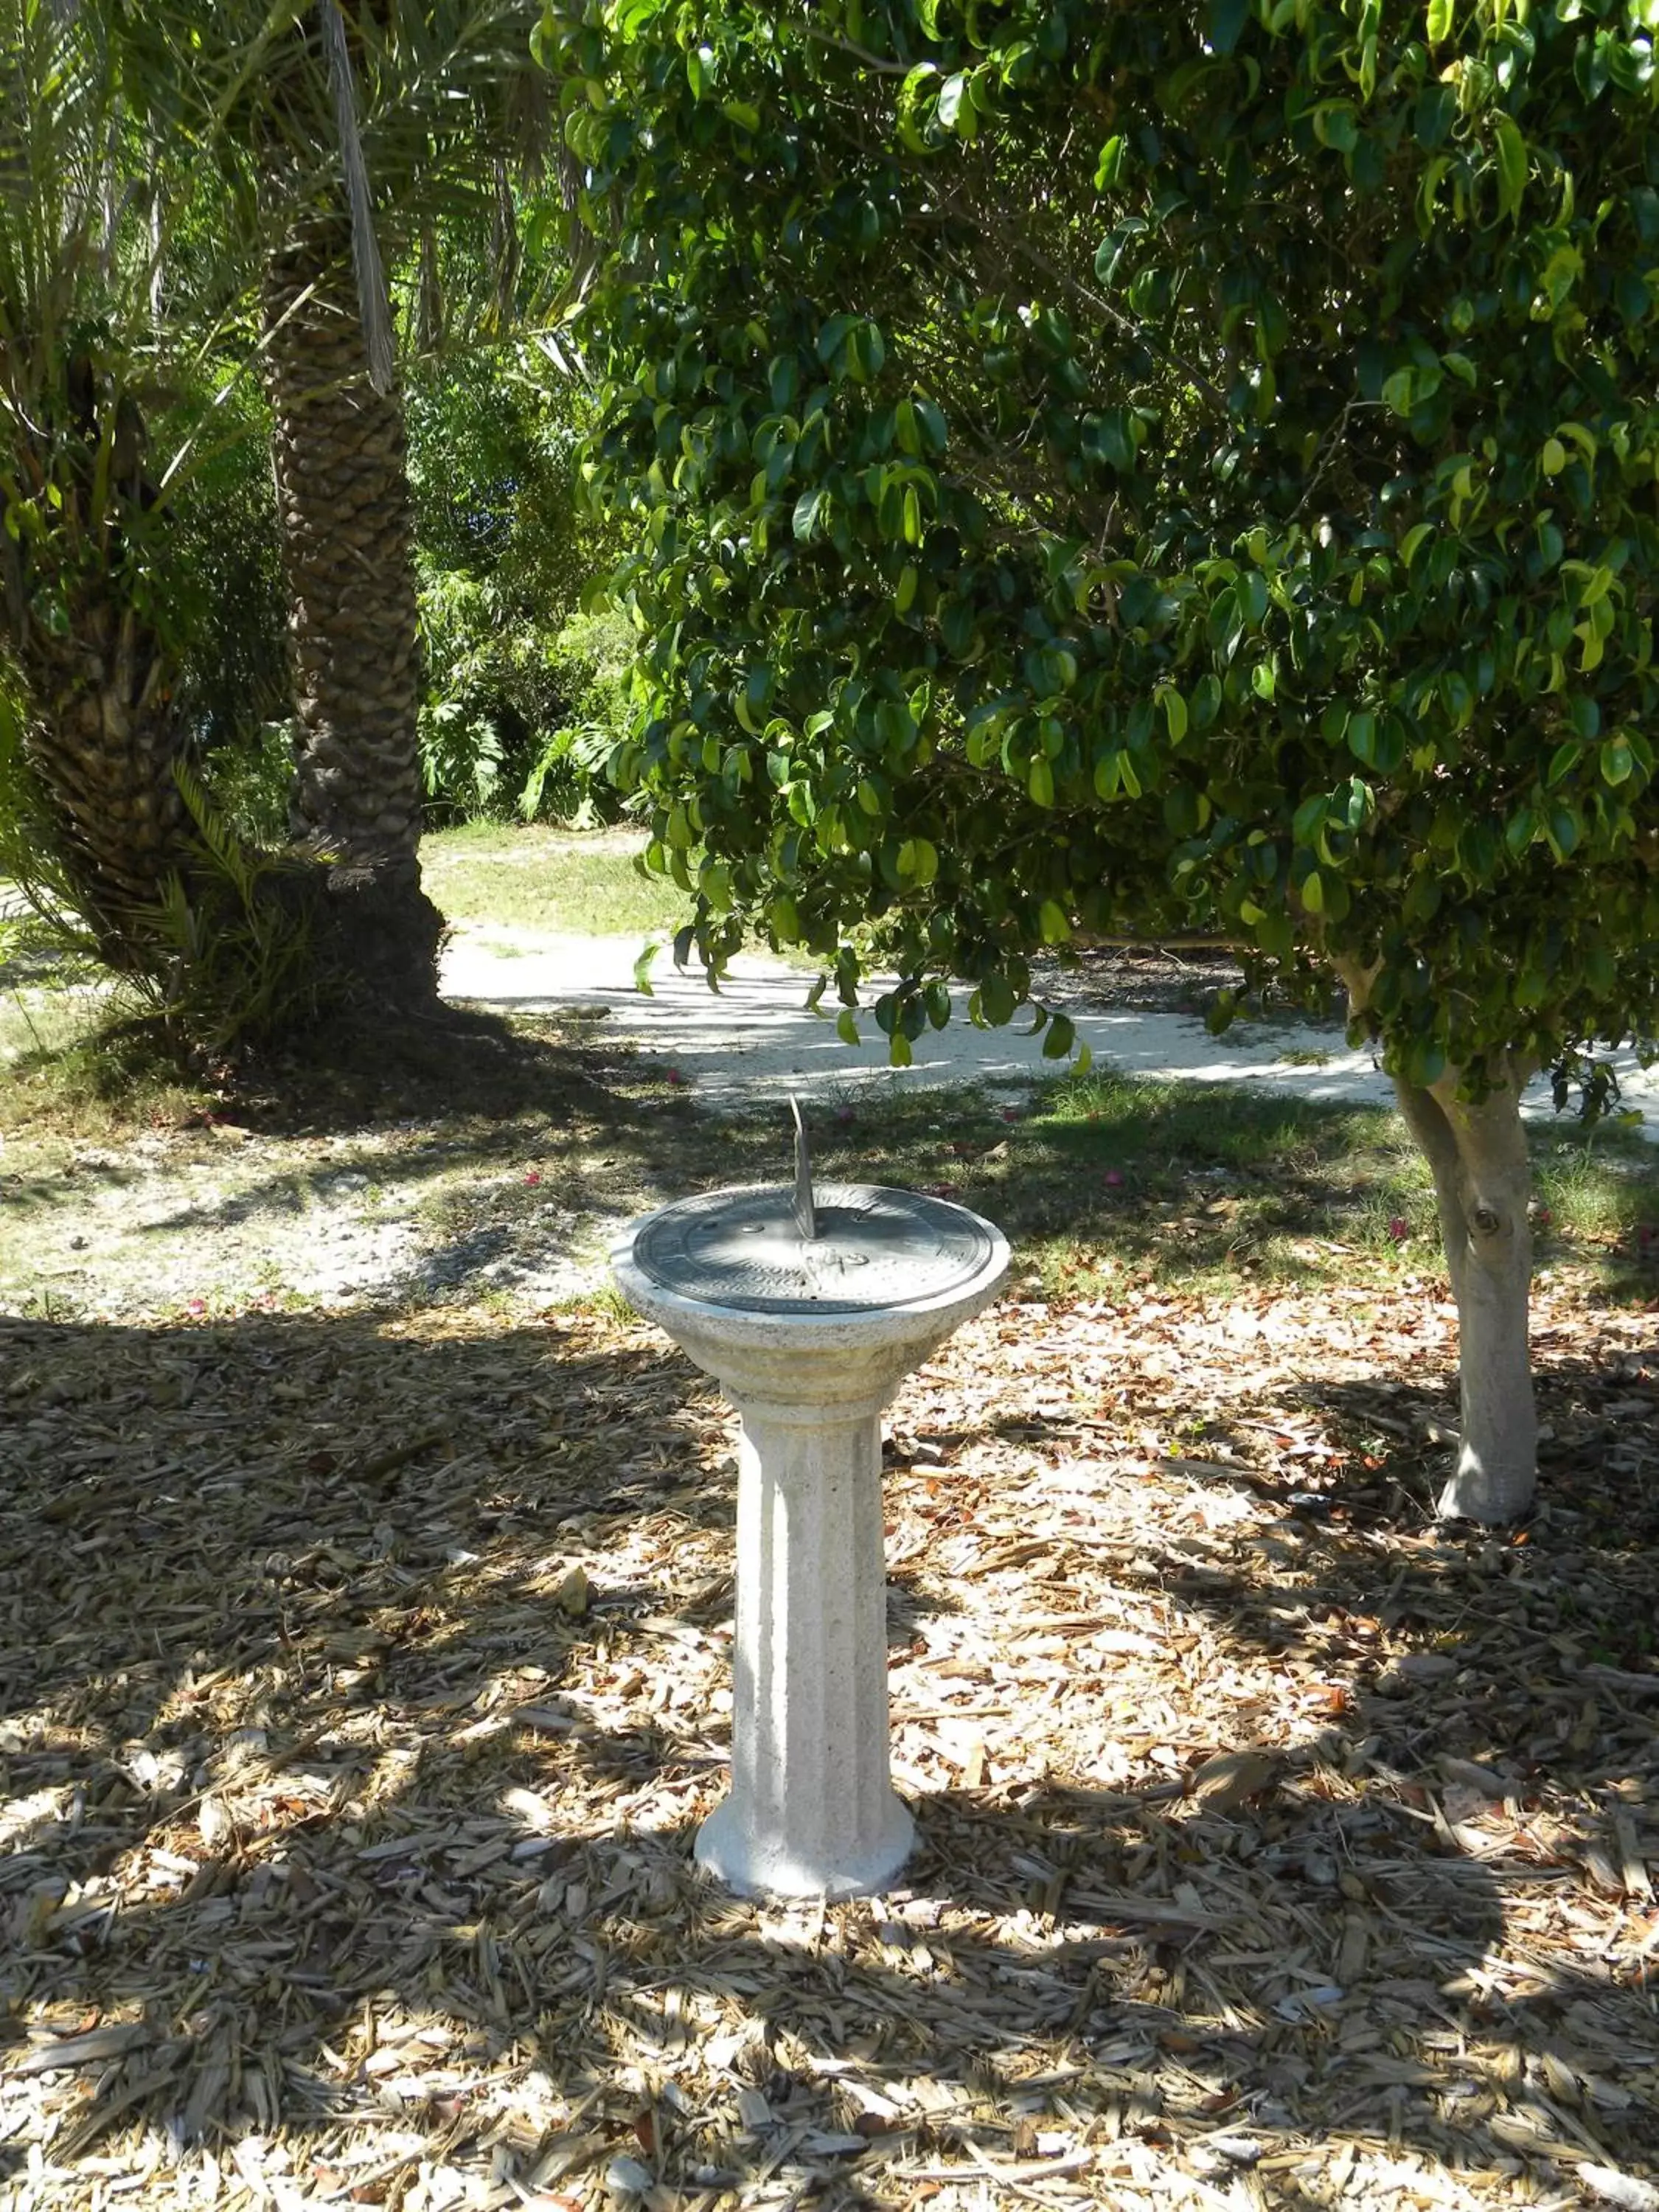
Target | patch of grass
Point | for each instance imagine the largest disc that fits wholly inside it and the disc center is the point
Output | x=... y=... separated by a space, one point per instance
x=607 y=1302
x=40 y=1021
x=1598 y=1193
x=1110 y=1179
x=556 y=881
x=79 y=1067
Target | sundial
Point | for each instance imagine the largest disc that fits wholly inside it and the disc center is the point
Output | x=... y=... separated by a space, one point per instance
x=850 y=1247
x=810 y=1307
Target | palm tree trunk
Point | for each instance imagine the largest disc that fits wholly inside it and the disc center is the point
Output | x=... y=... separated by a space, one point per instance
x=101 y=738
x=345 y=521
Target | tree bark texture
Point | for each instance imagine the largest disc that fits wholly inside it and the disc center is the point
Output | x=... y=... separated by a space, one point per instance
x=1483 y=1181
x=102 y=740
x=101 y=734
x=346 y=528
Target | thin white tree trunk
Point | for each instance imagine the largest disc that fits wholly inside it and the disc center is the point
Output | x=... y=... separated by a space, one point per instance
x=1483 y=1180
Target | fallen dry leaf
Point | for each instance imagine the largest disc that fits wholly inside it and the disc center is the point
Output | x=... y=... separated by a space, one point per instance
x=1231 y=1777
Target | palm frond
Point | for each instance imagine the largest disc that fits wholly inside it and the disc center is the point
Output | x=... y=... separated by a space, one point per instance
x=373 y=305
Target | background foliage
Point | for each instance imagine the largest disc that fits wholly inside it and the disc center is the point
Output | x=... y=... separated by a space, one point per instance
x=523 y=692
x=524 y=695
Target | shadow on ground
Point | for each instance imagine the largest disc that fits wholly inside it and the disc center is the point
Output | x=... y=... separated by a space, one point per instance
x=367 y=1680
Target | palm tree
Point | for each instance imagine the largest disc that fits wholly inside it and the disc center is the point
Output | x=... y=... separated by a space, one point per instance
x=169 y=202
x=423 y=101
x=346 y=528
x=99 y=409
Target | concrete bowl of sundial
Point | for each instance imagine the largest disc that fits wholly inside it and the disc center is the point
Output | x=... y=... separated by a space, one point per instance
x=810 y=1307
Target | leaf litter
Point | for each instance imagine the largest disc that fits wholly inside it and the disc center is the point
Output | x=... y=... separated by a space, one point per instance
x=368 y=1675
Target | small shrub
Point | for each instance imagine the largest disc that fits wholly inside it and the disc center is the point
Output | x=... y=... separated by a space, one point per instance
x=593 y=655
x=237 y=961
x=248 y=781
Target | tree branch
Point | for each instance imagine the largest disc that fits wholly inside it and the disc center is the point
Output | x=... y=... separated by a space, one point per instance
x=876 y=62
x=1023 y=247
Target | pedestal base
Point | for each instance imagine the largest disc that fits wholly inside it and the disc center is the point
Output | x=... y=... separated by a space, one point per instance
x=756 y=1865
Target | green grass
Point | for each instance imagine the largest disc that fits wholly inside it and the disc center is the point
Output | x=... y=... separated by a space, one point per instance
x=1221 y=1182
x=556 y=881
x=1109 y=1179
x=76 y=1067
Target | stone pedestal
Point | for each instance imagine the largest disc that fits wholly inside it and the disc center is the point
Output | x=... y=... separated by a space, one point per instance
x=811 y=1811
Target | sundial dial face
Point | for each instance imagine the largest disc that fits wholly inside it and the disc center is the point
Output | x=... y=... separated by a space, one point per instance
x=873 y=1249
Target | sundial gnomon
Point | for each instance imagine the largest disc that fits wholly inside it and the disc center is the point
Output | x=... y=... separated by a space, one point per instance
x=849 y=1247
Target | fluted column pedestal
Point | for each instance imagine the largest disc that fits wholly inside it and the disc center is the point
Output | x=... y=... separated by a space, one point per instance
x=812 y=1810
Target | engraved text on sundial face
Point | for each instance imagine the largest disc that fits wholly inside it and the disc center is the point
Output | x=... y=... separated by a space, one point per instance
x=873 y=1249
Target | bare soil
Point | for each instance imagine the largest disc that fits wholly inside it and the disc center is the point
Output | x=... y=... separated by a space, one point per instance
x=484 y=1156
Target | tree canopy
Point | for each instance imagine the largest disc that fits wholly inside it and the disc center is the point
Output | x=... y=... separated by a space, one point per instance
x=1195 y=455
x=1163 y=464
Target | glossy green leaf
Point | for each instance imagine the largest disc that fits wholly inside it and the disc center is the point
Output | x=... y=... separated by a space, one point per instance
x=1060 y=1036
x=997 y=1000
x=1511 y=155
x=1224 y=21
x=918 y=861
x=1110 y=167
x=1618 y=761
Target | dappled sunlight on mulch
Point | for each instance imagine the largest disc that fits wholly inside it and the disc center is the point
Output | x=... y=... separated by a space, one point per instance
x=367 y=1676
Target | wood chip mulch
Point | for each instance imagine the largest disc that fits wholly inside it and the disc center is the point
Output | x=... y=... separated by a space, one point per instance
x=366 y=1677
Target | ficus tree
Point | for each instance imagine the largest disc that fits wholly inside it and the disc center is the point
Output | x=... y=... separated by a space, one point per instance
x=1166 y=463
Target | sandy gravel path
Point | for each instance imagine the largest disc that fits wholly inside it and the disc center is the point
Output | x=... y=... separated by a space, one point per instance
x=755 y=1040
